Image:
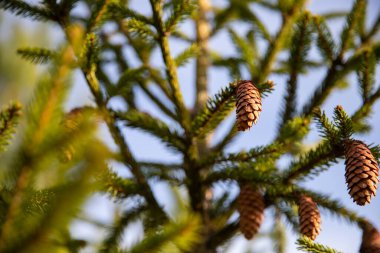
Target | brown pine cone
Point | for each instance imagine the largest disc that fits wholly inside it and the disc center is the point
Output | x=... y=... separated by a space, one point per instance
x=248 y=104
x=251 y=208
x=370 y=238
x=362 y=171
x=309 y=217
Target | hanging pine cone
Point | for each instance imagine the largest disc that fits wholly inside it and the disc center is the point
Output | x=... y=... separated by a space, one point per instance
x=251 y=208
x=370 y=238
x=309 y=217
x=362 y=171
x=248 y=104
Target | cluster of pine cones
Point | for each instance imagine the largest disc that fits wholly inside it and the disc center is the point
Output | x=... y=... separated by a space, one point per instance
x=362 y=173
x=251 y=206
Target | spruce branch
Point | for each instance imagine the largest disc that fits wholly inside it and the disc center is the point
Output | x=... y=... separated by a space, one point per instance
x=183 y=234
x=8 y=121
x=182 y=58
x=99 y=15
x=118 y=187
x=325 y=127
x=312 y=162
x=139 y=28
x=336 y=72
x=364 y=111
x=228 y=138
x=181 y=9
x=334 y=15
x=223 y=16
x=120 y=12
x=171 y=69
x=117 y=135
x=260 y=152
x=21 y=8
x=223 y=235
x=300 y=46
x=115 y=233
x=230 y=63
x=154 y=126
x=36 y=55
x=249 y=16
x=373 y=31
x=366 y=74
x=352 y=25
x=215 y=111
x=248 y=52
x=308 y=245
x=343 y=123
x=325 y=41
x=278 y=42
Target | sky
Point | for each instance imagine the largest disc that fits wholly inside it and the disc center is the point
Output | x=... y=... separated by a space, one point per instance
x=335 y=232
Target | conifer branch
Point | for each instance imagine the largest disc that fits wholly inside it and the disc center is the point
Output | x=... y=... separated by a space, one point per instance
x=183 y=234
x=183 y=57
x=137 y=27
x=118 y=137
x=247 y=15
x=158 y=102
x=21 y=8
x=117 y=186
x=141 y=77
x=325 y=41
x=298 y=52
x=115 y=233
x=98 y=15
x=337 y=71
x=308 y=245
x=215 y=111
x=8 y=122
x=154 y=126
x=364 y=110
x=171 y=69
x=366 y=74
x=343 y=123
x=312 y=163
x=326 y=128
x=181 y=9
x=120 y=12
x=373 y=31
x=248 y=52
x=36 y=55
x=223 y=235
x=353 y=20
x=261 y=152
x=278 y=42
x=227 y=139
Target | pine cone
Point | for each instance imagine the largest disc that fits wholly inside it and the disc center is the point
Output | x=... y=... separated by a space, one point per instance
x=370 y=239
x=248 y=104
x=362 y=171
x=251 y=208
x=309 y=217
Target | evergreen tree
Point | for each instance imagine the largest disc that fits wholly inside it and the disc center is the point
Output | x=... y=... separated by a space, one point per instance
x=58 y=161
